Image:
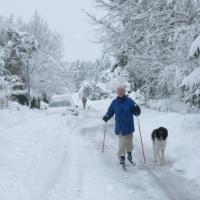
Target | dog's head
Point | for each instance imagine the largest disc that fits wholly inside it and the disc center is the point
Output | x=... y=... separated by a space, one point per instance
x=160 y=133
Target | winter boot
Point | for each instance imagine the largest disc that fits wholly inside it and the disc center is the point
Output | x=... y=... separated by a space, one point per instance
x=122 y=160
x=129 y=156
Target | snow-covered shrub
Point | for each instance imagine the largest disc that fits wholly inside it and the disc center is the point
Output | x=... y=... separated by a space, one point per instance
x=169 y=80
x=18 y=91
x=93 y=91
x=195 y=48
x=35 y=103
x=43 y=105
x=138 y=97
x=98 y=92
x=21 y=98
x=4 y=90
x=162 y=105
x=111 y=80
x=190 y=89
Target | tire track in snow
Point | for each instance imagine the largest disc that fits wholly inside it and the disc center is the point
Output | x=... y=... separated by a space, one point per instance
x=68 y=177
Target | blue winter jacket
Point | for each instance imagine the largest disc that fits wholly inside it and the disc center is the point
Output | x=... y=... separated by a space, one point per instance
x=124 y=108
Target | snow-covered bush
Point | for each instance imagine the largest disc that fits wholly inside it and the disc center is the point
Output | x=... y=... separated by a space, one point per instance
x=190 y=89
x=195 y=48
x=12 y=88
x=98 y=92
x=110 y=80
x=4 y=91
x=138 y=97
x=169 y=80
x=162 y=105
x=93 y=91
x=35 y=103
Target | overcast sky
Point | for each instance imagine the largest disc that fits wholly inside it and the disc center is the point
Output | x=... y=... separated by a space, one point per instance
x=64 y=16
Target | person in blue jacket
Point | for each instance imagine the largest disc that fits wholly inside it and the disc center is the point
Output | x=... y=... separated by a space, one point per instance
x=123 y=107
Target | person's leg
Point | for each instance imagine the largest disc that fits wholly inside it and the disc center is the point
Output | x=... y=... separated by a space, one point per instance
x=122 y=149
x=122 y=146
x=83 y=102
x=129 y=145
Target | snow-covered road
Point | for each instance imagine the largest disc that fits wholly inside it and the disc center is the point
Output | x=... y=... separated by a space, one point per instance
x=54 y=157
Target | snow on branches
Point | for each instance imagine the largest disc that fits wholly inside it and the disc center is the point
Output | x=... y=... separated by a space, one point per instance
x=195 y=48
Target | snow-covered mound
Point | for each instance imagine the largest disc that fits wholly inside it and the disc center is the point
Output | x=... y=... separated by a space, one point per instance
x=192 y=80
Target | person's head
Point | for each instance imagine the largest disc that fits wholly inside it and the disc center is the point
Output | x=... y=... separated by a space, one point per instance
x=120 y=91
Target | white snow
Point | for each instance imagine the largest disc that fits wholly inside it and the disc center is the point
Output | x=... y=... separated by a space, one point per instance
x=55 y=157
x=169 y=2
x=193 y=79
x=195 y=47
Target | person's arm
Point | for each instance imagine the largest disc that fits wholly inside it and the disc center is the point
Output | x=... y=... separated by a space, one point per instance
x=135 y=108
x=110 y=112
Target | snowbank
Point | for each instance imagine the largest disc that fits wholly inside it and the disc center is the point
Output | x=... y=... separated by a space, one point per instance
x=32 y=146
x=172 y=104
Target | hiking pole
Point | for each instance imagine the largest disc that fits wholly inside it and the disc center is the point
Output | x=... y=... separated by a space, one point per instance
x=141 y=139
x=104 y=137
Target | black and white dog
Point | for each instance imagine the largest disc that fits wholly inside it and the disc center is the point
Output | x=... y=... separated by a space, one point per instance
x=159 y=140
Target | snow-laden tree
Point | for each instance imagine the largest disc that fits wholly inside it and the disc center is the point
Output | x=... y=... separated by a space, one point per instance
x=151 y=40
x=190 y=88
x=48 y=77
x=10 y=86
x=46 y=65
x=80 y=71
x=15 y=46
x=93 y=90
x=34 y=52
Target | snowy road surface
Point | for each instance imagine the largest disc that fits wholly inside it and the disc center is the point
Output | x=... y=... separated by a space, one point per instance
x=54 y=157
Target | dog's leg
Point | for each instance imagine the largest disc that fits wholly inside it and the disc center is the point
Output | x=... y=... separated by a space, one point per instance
x=154 y=151
x=162 y=156
x=163 y=152
x=157 y=153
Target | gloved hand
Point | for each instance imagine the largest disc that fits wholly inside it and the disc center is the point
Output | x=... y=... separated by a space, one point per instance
x=105 y=118
x=137 y=110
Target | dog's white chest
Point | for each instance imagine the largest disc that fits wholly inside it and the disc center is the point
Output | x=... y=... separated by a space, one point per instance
x=160 y=144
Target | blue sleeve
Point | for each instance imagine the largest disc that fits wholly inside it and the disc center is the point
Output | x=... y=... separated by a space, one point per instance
x=111 y=110
x=135 y=108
